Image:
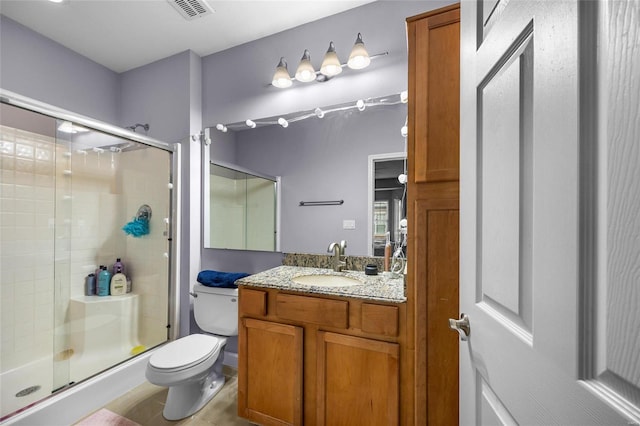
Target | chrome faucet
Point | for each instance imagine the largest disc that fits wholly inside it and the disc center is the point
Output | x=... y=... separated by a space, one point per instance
x=338 y=250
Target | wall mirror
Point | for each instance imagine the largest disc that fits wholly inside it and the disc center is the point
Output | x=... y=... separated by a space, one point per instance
x=240 y=209
x=323 y=155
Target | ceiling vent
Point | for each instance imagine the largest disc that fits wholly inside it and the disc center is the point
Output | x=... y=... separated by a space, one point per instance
x=191 y=9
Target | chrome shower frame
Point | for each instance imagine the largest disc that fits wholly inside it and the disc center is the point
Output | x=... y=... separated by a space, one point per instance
x=10 y=98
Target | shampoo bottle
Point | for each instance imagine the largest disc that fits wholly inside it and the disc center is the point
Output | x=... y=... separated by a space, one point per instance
x=118 y=284
x=104 y=281
x=118 y=267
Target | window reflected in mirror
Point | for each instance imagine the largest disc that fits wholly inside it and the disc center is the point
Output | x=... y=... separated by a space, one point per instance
x=388 y=205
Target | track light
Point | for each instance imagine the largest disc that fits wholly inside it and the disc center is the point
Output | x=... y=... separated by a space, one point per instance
x=284 y=123
x=305 y=72
x=281 y=78
x=319 y=113
x=331 y=64
x=359 y=57
x=221 y=127
x=360 y=104
x=251 y=124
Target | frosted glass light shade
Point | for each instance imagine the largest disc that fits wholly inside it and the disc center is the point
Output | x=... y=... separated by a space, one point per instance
x=331 y=64
x=281 y=78
x=359 y=57
x=305 y=72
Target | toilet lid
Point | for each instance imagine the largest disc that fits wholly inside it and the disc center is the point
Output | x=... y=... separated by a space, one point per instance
x=185 y=352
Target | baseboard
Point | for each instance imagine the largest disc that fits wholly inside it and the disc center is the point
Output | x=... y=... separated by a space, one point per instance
x=230 y=359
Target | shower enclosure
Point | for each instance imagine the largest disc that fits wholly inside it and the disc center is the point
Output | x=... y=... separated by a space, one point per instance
x=68 y=185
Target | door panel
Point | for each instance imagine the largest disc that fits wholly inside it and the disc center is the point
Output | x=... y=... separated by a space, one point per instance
x=552 y=336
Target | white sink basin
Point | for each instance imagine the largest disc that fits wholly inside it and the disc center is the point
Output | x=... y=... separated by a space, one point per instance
x=326 y=280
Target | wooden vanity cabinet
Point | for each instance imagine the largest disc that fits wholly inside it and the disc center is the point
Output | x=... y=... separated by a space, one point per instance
x=319 y=360
x=272 y=359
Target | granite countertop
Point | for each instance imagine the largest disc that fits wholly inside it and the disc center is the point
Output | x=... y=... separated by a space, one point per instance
x=379 y=287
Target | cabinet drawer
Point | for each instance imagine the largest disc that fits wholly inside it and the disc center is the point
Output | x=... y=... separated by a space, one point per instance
x=253 y=302
x=380 y=319
x=327 y=312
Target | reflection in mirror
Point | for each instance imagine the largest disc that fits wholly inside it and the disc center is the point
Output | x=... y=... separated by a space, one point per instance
x=320 y=157
x=386 y=199
x=242 y=210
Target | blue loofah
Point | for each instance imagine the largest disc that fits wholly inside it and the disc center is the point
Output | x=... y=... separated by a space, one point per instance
x=137 y=227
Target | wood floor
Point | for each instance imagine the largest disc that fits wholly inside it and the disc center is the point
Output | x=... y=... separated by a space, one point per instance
x=144 y=405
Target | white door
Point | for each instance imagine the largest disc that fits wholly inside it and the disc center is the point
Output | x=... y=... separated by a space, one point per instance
x=550 y=212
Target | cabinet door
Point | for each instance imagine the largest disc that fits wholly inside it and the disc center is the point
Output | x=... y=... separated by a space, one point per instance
x=357 y=381
x=270 y=354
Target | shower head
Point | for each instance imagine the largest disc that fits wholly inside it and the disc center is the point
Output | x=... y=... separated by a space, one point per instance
x=135 y=126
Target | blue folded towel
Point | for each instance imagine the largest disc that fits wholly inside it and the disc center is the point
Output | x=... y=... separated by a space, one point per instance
x=220 y=279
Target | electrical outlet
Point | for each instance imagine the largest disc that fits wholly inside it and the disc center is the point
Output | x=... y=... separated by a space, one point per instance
x=348 y=224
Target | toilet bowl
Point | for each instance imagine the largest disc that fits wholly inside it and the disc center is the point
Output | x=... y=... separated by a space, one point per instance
x=191 y=367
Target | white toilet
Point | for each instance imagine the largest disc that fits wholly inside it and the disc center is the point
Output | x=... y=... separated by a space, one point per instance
x=192 y=366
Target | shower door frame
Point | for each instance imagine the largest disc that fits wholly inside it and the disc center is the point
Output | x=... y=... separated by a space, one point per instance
x=173 y=314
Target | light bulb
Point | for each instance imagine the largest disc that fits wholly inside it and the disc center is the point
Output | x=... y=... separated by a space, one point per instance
x=331 y=64
x=404 y=96
x=402 y=178
x=359 y=57
x=360 y=104
x=404 y=131
x=283 y=122
x=251 y=124
x=305 y=72
x=319 y=113
x=281 y=78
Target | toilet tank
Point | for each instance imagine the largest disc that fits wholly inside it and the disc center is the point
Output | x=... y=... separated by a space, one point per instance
x=216 y=309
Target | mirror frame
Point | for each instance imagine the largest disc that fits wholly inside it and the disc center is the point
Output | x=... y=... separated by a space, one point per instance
x=373 y=159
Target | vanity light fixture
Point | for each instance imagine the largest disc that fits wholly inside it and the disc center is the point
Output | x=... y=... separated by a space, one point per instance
x=281 y=77
x=331 y=65
x=305 y=72
x=359 y=57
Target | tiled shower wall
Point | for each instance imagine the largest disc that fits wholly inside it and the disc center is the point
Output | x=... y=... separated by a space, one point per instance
x=27 y=207
x=62 y=210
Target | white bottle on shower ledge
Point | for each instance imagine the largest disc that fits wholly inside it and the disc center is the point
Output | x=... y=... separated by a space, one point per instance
x=118 y=284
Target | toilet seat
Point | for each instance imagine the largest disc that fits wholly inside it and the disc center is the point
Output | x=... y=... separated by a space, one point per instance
x=185 y=353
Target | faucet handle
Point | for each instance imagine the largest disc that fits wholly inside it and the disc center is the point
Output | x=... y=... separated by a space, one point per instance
x=343 y=245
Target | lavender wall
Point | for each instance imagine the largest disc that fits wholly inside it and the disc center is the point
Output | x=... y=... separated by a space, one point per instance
x=236 y=81
x=37 y=67
x=167 y=95
x=158 y=94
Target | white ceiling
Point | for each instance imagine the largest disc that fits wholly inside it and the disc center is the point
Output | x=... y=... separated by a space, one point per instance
x=122 y=35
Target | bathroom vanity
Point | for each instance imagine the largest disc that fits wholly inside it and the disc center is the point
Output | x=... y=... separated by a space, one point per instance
x=322 y=353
